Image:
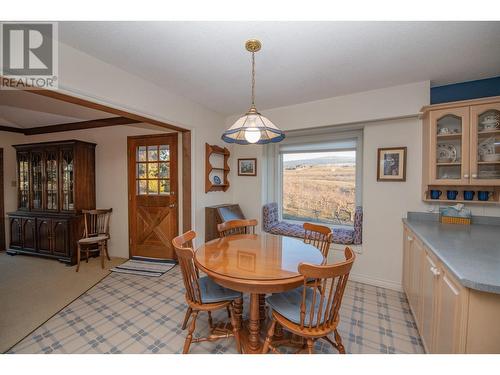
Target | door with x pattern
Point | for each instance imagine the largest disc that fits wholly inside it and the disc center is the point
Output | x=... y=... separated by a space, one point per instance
x=153 y=195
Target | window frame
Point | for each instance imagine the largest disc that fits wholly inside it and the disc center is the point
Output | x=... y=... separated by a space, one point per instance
x=314 y=139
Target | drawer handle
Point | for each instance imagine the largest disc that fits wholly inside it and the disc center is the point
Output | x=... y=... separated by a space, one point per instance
x=410 y=238
x=474 y=175
x=466 y=176
x=435 y=271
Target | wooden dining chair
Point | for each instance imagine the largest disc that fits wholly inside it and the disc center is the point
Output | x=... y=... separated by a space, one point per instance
x=319 y=236
x=239 y=226
x=95 y=236
x=311 y=311
x=203 y=294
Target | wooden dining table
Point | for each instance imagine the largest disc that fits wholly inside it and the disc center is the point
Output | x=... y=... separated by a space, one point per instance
x=255 y=264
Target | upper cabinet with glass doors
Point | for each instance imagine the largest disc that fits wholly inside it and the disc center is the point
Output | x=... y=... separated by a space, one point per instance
x=461 y=151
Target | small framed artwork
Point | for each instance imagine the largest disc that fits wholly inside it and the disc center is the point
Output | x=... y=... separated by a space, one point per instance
x=391 y=164
x=247 y=167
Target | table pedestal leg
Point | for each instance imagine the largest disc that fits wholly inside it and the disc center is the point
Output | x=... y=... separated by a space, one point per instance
x=251 y=338
x=238 y=310
x=262 y=307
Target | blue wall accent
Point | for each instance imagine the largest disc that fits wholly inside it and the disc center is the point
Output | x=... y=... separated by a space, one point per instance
x=466 y=90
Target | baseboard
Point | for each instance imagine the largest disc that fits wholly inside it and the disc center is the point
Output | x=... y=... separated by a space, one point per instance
x=376 y=282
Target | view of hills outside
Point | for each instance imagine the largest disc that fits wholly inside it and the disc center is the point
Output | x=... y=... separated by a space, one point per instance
x=320 y=187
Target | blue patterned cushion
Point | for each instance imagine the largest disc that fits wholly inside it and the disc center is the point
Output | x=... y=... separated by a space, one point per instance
x=358 y=226
x=343 y=235
x=288 y=303
x=270 y=216
x=212 y=292
x=288 y=229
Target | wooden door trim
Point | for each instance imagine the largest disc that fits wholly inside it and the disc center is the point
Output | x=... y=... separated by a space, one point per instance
x=131 y=179
x=2 y=206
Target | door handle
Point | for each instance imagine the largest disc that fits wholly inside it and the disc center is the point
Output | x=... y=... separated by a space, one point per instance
x=474 y=175
x=173 y=205
x=466 y=176
x=410 y=238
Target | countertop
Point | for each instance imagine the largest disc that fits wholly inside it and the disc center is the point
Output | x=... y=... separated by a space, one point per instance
x=470 y=252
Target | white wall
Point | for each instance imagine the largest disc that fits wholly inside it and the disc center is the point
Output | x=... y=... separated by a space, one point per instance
x=389 y=118
x=8 y=139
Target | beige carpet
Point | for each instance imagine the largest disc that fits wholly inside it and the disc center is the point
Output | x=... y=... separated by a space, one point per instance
x=33 y=289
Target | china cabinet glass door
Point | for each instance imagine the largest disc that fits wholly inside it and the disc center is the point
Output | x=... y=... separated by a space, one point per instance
x=485 y=144
x=36 y=180
x=450 y=146
x=24 y=185
x=67 y=161
x=51 y=167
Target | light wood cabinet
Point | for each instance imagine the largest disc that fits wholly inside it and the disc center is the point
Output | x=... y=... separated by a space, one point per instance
x=461 y=150
x=429 y=300
x=450 y=317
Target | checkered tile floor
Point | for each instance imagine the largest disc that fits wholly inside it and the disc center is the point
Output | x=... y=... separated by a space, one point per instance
x=136 y=314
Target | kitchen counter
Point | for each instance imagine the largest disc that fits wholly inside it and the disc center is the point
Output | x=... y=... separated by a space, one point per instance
x=470 y=252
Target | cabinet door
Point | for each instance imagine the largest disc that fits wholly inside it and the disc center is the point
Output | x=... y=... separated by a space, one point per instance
x=60 y=237
x=51 y=180
x=36 y=180
x=485 y=144
x=407 y=241
x=416 y=258
x=15 y=227
x=430 y=275
x=67 y=179
x=44 y=236
x=28 y=234
x=23 y=180
x=450 y=316
x=449 y=146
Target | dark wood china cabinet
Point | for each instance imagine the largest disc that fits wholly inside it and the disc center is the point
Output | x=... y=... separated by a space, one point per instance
x=56 y=180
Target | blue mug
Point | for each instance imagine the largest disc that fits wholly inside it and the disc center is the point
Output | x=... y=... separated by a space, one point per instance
x=483 y=195
x=435 y=194
x=451 y=194
x=468 y=195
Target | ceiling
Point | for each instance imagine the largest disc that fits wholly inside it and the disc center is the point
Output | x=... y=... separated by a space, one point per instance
x=23 y=109
x=299 y=61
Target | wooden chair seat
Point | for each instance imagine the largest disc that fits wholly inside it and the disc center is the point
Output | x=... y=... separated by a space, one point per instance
x=312 y=310
x=93 y=240
x=203 y=294
x=212 y=292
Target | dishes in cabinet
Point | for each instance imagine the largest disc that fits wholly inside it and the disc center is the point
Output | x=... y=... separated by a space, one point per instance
x=491 y=122
x=490 y=157
x=486 y=147
x=446 y=153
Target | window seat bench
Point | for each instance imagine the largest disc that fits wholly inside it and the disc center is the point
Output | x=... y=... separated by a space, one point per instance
x=341 y=234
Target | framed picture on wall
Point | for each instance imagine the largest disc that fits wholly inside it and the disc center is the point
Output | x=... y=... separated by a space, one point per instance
x=247 y=167
x=391 y=164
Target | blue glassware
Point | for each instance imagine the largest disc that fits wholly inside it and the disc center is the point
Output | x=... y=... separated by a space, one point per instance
x=217 y=180
x=435 y=194
x=469 y=195
x=483 y=195
x=452 y=194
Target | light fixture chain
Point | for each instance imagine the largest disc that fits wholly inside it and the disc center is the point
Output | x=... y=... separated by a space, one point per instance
x=253 y=78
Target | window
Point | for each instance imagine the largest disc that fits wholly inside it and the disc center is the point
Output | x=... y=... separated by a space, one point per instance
x=153 y=170
x=319 y=178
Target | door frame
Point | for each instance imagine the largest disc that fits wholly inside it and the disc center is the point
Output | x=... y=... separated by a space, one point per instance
x=186 y=156
x=2 y=205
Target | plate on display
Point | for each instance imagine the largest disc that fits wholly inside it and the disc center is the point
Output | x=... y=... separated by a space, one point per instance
x=487 y=147
x=446 y=153
x=217 y=180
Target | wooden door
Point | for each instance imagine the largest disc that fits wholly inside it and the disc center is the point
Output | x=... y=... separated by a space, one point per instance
x=28 y=233
x=449 y=146
x=60 y=237
x=44 y=234
x=153 y=195
x=485 y=144
x=451 y=315
x=15 y=228
x=430 y=275
x=407 y=241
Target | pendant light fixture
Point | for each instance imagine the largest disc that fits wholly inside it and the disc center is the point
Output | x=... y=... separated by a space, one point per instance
x=252 y=127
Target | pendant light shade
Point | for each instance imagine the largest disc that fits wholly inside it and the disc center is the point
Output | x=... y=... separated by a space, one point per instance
x=252 y=127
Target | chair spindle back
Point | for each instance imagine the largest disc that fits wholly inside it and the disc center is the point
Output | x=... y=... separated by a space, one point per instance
x=239 y=226
x=319 y=236
x=325 y=292
x=96 y=222
x=183 y=245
